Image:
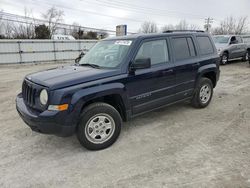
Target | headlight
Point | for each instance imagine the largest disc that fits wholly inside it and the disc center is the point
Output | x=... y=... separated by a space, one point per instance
x=44 y=97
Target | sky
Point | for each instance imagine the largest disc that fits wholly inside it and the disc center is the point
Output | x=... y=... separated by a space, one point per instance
x=106 y=14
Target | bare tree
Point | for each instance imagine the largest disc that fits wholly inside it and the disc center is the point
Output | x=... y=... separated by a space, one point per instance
x=168 y=27
x=182 y=25
x=193 y=27
x=76 y=31
x=231 y=25
x=1 y=24
x=8 y=29
x=241 y=25
x=27 y=30
x=20 y=30
x=53 y=17
x=148 y=27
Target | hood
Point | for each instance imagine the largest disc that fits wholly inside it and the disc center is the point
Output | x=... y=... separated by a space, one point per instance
x=69 y=75
x=220 y=45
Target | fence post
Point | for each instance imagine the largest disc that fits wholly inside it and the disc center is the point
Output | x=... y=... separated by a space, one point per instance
x=79 y=46
x=20 y=52
x=54 y=48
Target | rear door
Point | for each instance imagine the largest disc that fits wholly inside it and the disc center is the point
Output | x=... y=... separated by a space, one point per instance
x=241 y=47
x=186 y=65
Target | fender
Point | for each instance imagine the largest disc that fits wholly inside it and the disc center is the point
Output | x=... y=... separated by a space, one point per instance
x=82 y=96
x=205 y=69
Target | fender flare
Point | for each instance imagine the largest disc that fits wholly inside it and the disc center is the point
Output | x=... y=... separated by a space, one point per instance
x=203 y=70
x=81 y=97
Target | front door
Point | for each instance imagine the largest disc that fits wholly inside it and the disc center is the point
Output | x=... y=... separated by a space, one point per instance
x=152 y=87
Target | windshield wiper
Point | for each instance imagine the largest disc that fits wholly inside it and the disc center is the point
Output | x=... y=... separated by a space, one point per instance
x=90 y=65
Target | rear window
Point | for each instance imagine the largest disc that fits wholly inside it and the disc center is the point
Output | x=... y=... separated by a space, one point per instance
x=205 y=44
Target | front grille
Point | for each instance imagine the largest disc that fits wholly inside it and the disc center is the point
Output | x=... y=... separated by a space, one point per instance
x=29 y=93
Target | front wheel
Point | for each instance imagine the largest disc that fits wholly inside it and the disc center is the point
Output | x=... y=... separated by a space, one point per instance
x=246 y=56
x=99 y=127
x=224 y=58
x=203 y=93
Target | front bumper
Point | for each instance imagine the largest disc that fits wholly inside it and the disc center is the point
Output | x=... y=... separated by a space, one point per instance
x=47 y=122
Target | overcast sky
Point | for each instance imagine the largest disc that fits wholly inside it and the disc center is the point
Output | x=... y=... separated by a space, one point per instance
x=106 y=14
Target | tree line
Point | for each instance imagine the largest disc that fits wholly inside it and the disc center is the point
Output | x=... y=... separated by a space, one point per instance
x=53 y=17
x=229 y=25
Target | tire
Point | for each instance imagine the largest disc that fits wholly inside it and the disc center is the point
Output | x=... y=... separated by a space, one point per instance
x=99 y=127
x=224 y=58
x=201 y=97
x=246 y=56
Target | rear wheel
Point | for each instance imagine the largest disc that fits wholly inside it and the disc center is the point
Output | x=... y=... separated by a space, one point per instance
x=203 y=93
x=224 y=58
x=99 y=127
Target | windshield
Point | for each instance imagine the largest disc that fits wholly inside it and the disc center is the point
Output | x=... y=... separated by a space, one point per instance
x=221 y=39
x=107 y=54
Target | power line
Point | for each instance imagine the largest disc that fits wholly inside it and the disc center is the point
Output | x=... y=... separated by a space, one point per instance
x=108 y=4
x=208 y=22
x=142 y=9
x=28 y=20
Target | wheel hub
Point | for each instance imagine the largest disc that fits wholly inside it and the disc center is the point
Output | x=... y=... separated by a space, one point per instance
x=224 y=59
x=100 y=128
x=205 y=93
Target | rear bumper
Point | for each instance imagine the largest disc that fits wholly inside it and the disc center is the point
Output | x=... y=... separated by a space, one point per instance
x=47 y=122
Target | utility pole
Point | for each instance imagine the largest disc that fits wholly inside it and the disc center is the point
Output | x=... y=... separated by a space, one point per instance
x=208 y=22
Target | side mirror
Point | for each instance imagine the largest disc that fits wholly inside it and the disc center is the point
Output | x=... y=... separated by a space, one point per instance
x=141 y=64
x=234 y=42
x=79 y=57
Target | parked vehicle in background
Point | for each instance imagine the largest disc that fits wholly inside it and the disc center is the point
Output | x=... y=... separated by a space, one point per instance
x=62 y=37
x=246 y=40
x=118 y=79
x=230 y=47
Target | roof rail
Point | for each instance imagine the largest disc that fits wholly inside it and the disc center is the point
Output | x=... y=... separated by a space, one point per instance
x=172 y=31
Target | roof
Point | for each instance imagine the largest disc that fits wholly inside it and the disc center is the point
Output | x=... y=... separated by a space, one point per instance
x=152 y=35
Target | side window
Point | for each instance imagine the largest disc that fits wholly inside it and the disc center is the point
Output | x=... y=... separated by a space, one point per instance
x=181 y=48
x=205 y=44
x=156 y=50
x=239 y=39
x=246 y=39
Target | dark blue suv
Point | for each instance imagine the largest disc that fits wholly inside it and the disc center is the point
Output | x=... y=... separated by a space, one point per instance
x=118 y=79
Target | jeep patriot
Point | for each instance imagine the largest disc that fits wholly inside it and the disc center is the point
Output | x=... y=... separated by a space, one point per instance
x=118 y=79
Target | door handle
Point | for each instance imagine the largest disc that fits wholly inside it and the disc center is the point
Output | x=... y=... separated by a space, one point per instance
x=195 y=64
x=168 y=71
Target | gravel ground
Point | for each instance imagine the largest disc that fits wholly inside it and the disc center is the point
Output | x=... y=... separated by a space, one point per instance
x=177 y=146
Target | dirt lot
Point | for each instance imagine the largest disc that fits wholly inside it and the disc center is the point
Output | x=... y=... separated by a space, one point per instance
x=175 y=147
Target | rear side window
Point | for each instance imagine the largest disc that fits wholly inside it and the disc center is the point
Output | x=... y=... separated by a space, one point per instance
x=205 y=44
x=183 y=48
